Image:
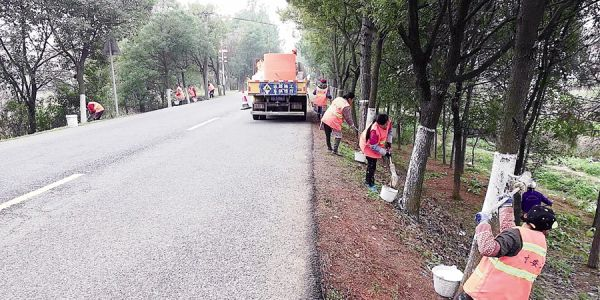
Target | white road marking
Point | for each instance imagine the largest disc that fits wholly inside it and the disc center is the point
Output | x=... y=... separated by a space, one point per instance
x=38 y=192
x=202 y=124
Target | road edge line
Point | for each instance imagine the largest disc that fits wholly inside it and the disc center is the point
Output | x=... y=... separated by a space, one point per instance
x=38 y=192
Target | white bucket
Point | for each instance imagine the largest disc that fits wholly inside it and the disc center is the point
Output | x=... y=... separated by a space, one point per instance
x=360 y=157
x=72 y=121
x=446 y=280
x=388 y=194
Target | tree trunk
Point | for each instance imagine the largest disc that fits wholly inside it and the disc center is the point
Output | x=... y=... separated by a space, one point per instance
x=375 y=73
x=465 y=128
x=452 y=150
x=528 y=21
x=444 y=132
x=32 y=128
x=415 y=129
x=429 y=116
x=458 y=151
x=366 y=41
x=81 y=89
x=205 y=76
x=593 y=260
x=435 y=150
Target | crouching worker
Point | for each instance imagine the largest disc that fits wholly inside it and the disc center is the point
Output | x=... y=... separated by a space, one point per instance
x=96 y=110
x=510 y=262
x=332 y=120
x=375 y=142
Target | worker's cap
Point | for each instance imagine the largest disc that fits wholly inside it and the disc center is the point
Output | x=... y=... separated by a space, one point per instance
x=541 y=218
x=323 y=80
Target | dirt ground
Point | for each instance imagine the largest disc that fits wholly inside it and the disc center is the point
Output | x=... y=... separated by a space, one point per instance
x=370 y=250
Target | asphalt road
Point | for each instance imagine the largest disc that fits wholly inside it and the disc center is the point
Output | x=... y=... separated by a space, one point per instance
x=197 y=201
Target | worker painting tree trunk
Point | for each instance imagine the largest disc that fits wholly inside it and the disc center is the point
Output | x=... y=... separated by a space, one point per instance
x=528 y=20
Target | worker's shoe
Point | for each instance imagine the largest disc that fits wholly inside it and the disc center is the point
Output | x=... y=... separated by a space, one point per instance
x=334 y=152
x=372 y=188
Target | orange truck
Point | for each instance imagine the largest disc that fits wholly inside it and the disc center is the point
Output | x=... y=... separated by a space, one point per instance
x=276 y=89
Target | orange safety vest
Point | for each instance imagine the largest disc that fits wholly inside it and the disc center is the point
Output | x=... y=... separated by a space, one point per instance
x=179 y=94
x=95 y=107
x=321 y=99
x=334 y=116
x=382 y=133
x=509 y=278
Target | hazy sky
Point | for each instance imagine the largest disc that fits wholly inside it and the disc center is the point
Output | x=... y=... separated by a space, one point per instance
x=230 y=7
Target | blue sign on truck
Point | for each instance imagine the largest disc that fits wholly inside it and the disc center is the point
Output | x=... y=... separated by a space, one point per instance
x=279 y=88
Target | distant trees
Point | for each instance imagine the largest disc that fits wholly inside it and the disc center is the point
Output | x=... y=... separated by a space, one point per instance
x=56 y=46
x=27 y=57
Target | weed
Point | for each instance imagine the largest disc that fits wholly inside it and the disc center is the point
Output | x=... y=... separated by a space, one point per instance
x=583 y=296
x=334 y=294
x=474 y=186
x=561 y=266
x=537 y=293
x=377 y=288
x=583 y=165
x=435 y=175
x=573 y=187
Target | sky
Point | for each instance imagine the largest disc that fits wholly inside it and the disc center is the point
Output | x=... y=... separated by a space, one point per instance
x=230 y=7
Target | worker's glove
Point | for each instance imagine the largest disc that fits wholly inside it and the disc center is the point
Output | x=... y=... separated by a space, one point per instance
x=482 y=217
x=388 y=145
x=505 y=200
x=521 y=186
x=382 y=151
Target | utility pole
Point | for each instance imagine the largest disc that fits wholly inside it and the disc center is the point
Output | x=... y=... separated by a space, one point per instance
x=223 y=61
x=111 y=48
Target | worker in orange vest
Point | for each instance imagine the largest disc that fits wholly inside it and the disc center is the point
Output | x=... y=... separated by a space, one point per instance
x=511 y=261
x=192 y=92
x=211 y=90
x=339 y=111
x=96 y=110
x=375 y=142
x=179 y=95
x=321 y=95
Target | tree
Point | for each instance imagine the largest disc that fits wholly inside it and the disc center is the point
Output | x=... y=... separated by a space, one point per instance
x=594 y=258
x=250 y=40
x=155 y=51
x=27 y=59
x=81 y=27
x=529 y=18
x=436 y=62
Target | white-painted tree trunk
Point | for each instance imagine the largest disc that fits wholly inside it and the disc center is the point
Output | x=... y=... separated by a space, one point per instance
x=411 y=195
x=169 y=104
x=82 y=108
x=362 y=111
x=503 y=166
x=370 y=116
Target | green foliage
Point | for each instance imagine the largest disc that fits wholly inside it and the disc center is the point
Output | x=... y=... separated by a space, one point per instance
x=571 y=186
x=587 y=166
x=474 y=186
x=13 y=119
x=249 y=41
